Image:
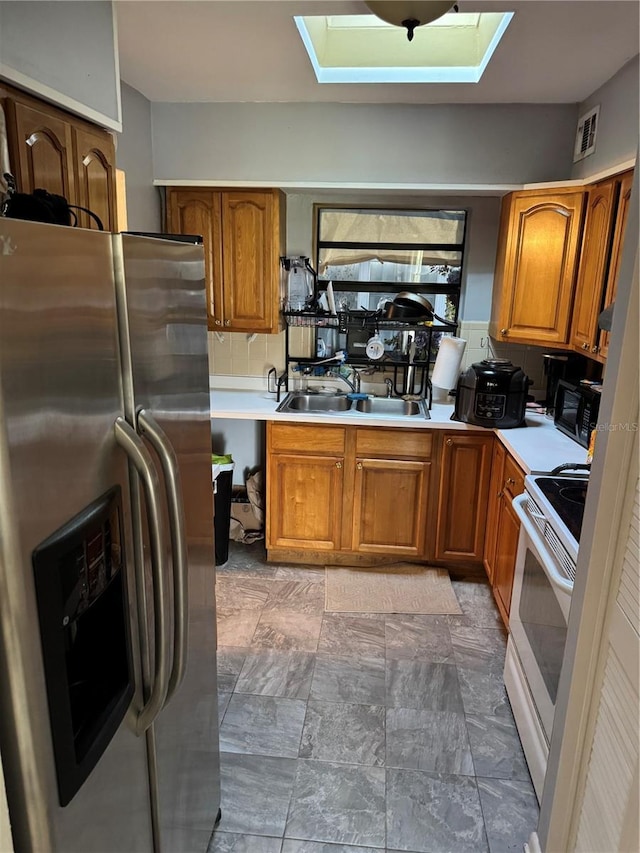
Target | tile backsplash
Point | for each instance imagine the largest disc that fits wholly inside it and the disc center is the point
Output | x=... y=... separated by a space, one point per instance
x=235 y=354
x=480 y=345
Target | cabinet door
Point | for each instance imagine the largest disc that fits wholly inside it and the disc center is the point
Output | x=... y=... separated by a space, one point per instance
x=198 y=212
x=462 y=504
x=616 y=253
x=536 y=268
x=596 y=246
x=390 y=506
x=43 y=156
x=493 y=508
x=508 y=530
x=94 y=154
x=250 y=261
x=304 y=501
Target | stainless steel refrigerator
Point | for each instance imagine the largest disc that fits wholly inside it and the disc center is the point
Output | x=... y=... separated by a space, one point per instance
x=108 y=710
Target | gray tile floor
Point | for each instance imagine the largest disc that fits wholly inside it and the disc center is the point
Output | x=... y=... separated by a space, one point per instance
x=362 y=733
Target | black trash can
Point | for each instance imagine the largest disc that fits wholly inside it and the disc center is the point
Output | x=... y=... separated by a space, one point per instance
x=222 y=501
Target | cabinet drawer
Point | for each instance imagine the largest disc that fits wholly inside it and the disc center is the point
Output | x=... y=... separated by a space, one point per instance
x=394 y=443
x=306 y=438
x=513 y=477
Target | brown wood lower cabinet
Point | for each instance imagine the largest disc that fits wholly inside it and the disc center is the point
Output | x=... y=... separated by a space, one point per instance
x=348 y=490
x=508 y=530
x=390 y=506
x=351 y=494
x=305 y=484
x=503 y=527
x=305 y=501
x=462 y=506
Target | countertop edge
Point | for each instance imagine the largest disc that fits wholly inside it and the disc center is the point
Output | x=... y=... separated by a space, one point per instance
x=538 y=447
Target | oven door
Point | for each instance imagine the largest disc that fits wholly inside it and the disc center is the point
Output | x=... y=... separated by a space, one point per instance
x=539 y=614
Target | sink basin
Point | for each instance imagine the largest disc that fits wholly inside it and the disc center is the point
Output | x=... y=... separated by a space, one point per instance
x=300 y=402
x=389 y=406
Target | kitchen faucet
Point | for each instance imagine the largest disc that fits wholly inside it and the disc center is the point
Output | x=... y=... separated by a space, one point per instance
x=389 y=383
x=353 y=383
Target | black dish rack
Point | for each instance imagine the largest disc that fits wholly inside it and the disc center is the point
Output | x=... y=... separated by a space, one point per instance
x=354 y=328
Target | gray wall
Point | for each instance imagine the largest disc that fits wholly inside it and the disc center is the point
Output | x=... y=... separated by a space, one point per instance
x=397 y=143
x=617 y=134
x=481 y=239
x=444 y=145
x=134 y=157
x=65 y=52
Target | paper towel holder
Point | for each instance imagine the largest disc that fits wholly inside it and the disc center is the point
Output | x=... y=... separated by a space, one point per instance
x=446 y=369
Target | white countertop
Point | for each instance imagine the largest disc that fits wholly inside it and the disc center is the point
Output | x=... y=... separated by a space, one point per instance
x=540 y=447
x=537 y=447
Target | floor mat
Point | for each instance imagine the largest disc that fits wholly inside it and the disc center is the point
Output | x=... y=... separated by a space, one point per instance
x=396 y=588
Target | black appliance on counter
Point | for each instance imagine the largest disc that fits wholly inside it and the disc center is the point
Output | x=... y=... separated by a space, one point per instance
x=492 y=393
x=576 y=409
x=569 y=366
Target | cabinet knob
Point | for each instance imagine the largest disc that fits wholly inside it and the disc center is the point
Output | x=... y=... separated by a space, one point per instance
x=595 y=349
x=227 y=322
x=359 y=466
x=217 y=323
x=338 y=464
x=585 y=346
x=504 y=331
x=449 y=442
x=500 y=494
x=510 y=481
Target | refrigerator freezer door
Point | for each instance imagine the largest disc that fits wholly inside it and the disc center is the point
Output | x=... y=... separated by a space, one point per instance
x=60 y=395
x=164 y=339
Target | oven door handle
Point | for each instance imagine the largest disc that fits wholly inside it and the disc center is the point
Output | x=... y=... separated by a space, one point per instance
x=549 y=563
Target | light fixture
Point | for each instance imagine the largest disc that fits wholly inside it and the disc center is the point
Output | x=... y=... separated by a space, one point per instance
x=410 y=13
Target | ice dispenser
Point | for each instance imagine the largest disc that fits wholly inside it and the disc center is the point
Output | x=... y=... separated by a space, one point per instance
x=82 y=610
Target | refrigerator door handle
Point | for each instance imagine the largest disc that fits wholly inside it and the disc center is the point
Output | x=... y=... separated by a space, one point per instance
x=139 y=456
x=150 y=429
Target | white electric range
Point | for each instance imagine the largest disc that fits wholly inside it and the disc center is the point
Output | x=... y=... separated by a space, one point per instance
x=550 y=512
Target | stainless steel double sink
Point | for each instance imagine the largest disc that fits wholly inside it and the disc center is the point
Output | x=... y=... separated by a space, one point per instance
x=302 y=402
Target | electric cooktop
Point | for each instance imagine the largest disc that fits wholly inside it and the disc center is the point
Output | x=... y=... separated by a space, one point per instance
x=567 y=496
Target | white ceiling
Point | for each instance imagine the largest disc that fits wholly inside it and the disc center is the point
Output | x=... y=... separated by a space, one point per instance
x=554 y=51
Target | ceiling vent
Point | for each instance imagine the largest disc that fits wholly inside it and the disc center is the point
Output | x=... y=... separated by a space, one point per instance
x=586 y=134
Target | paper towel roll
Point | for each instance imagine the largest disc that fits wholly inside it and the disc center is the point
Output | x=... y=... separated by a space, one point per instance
x=447 y=367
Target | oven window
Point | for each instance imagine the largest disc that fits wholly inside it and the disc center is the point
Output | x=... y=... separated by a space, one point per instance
x=543 y=623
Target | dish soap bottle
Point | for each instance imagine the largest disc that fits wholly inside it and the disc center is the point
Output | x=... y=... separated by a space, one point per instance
x=300 y=283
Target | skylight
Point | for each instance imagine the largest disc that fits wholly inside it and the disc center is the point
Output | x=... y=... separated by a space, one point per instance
x=455 y=48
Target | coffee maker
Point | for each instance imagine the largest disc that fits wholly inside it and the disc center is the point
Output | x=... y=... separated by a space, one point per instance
x=569 y=366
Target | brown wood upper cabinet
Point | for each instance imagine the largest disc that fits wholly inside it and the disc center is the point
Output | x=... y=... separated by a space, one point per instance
x=95 y=171
x=536 y=267
x=462 y=504
x=626 y=182
x=608 y=208
x=53 y=150
x=503 y=527
x=243 y=233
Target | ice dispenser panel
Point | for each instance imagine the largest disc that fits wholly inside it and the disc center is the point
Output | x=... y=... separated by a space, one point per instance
x=82 y=609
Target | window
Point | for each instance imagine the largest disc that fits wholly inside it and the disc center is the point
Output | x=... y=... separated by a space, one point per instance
x=371 y=254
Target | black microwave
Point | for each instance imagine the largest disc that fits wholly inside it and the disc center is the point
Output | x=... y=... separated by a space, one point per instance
x=576 y=410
